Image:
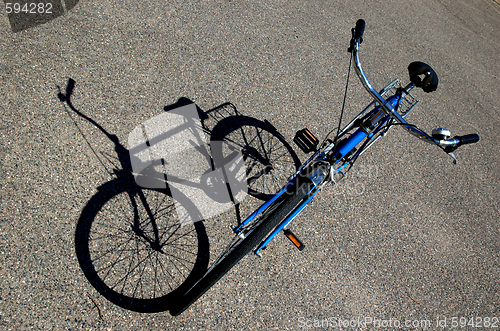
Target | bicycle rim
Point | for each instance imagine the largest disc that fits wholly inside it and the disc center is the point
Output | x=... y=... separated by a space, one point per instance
x=269 y=159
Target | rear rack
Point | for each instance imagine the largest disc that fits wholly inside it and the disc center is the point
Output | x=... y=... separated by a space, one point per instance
x=408 y=103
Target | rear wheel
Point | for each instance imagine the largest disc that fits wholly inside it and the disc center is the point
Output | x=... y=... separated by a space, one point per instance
x=269 y=159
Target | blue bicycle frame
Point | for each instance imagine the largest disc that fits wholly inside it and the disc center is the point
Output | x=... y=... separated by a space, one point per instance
x=383 y=111
x=318 y=176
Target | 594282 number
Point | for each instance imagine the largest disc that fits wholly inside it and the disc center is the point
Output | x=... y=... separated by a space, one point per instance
x=475 y=322
x=28 y=8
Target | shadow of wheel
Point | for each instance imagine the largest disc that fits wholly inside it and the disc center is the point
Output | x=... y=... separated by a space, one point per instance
x=134 y=251
x=269 y=159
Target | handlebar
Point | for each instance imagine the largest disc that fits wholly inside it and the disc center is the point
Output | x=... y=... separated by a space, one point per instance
x=463 y=140
x=359 y=30
x=468 y=139
x=449 y=145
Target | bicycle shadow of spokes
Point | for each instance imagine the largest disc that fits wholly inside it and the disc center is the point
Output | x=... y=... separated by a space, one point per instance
x=129 y=240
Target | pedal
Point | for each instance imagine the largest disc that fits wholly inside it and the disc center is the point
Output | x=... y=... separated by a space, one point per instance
x=306 y=141
x=293 y=238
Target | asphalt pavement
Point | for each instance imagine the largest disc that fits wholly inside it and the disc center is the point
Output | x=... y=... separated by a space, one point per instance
x=411 y=239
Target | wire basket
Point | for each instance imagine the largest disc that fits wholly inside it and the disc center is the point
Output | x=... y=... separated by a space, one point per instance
x=408 y=103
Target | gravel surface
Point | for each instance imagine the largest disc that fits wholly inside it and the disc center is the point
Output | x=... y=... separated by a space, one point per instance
x=410 y=237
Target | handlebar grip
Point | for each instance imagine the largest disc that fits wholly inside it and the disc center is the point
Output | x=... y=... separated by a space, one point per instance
x=359 y=29
x=468 y=139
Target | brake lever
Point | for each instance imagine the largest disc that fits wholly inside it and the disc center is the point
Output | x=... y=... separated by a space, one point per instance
x=449 y=150
x=453 y=156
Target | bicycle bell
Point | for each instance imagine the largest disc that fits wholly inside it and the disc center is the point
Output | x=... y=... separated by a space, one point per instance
x=441 y=133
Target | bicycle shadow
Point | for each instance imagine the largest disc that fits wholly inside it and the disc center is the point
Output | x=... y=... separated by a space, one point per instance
x=129 y=241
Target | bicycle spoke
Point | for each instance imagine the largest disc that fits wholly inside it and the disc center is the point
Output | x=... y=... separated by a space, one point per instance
x=129 y=258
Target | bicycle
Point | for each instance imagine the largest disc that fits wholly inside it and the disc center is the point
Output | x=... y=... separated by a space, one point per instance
x=328 y=164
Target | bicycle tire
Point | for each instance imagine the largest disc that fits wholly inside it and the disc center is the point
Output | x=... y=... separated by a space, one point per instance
x=269 y=159
x=109 y=248
x=246 y=245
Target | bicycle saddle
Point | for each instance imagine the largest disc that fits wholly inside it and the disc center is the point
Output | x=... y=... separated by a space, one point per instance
x=429 y=82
